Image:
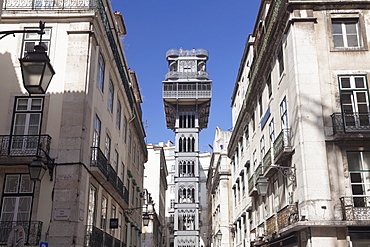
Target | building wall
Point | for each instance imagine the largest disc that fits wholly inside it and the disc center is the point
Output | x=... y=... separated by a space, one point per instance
x=72 y=102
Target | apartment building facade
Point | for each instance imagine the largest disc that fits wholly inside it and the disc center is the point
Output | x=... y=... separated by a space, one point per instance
x=300 y=143
x=87 y=129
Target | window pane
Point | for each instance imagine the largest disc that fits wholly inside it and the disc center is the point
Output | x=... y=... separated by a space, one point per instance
x=22 y=104
x=24 y=208
x=360 y=82
x=356 y=178
x=36 y=104
x=351 y=27
x=11 y=184
x=357 y=190
x=338 y=41
x=19 y=125
x=352 y=40
x=26 y=184
x=347 y=98
x=337 y=28
x=7 y=211
x=345 y=82
x=366 y=162
x=353 y=161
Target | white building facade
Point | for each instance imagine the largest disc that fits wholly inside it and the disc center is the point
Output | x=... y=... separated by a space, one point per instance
x=301 y=127
x=87 y=127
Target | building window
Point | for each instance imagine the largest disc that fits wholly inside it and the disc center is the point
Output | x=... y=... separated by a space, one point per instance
x=172 y=203
x=354 y=99
x=272 y=131
x=253 y=122
x=91 y=206
x=110 y=97
x=17 y=198
x=104 y=206
x=284 y=114
x=280 y=57
x=124 y=128
x=359 y=169
x=113 y=216
x=346 y=33
x=27 y=116
x=122 y=171
x=96 y=133
x=261 y=106
x=107 y=147
x=262 y=147
x=118 y=115
x=101 y=71
x=32 y=39
x=115 y=160
x=269 y=87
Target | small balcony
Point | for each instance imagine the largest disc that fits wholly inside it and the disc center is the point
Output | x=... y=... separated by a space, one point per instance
x=106 y=175
x=95 y=237
x=282 y=147
x=350 y=125
x=187 y=75
x=287 y=216
x=271 y=225
x=251 y=185
x=23 y=148
x=356 y=207
x=49 y=4
x=187 y=90
x=32 y=230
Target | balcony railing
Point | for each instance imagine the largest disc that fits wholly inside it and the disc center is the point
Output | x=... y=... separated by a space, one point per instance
x=356 y=207
x=112 y=176
x=282 y=146
x=181 y=52
x=355 y=122
x=187 y=75
x=267 y=159
x=187 y=90
x=32 y=230
x=24 y=145
x=271 y=225
x=251 y=182
x=49 y=4
x=99 y=160
x=287 y=216
x=95 y=237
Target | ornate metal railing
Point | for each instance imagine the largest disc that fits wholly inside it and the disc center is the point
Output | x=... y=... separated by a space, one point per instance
x=193 y=52
x=356 y=207
x=95 y=237
x=282 y=144
x=112 y=176
x=187 y=90
x=32 y=230
x=251 y=182
x=99 y=160
x=355 y=122
x=259 y=171
x=24 y=145
x=287 y=216
x=49 y=4
x=271 y=226
x=267 y=159
x=182 y=75
x=120 y=187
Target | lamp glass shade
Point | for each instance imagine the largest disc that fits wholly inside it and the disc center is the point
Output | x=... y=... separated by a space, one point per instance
x=37 y=169
x=146 y=219
x=219 y=235
x=261 y=185
x=37 y=71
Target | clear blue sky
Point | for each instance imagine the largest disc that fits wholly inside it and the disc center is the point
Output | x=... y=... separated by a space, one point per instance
x=155 y=26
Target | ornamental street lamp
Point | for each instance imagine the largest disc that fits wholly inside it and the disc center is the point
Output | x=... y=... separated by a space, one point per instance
x=36 y=69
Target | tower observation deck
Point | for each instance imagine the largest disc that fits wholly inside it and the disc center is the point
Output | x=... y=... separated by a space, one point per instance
x=187 y=93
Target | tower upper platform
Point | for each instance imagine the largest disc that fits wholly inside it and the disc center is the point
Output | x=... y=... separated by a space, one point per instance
x=187 y=85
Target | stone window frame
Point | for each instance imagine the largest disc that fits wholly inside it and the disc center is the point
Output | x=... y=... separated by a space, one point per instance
x=362 y=30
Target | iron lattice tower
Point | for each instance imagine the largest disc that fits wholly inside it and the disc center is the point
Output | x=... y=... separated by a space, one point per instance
x=187 y=93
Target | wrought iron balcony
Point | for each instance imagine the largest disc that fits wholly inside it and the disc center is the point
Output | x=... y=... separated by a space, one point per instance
x=99 y=160
x=112 y=176
x=356 y=207
x=187 y=90
x=287 y=216
x=49 y=4
x=32 y=230
x=282 y=146
x=355 y=122
x=96 y=237
x=267 y=159
x=187 y=75
x=24 y=145
x=181 y=52
x=271 y=225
